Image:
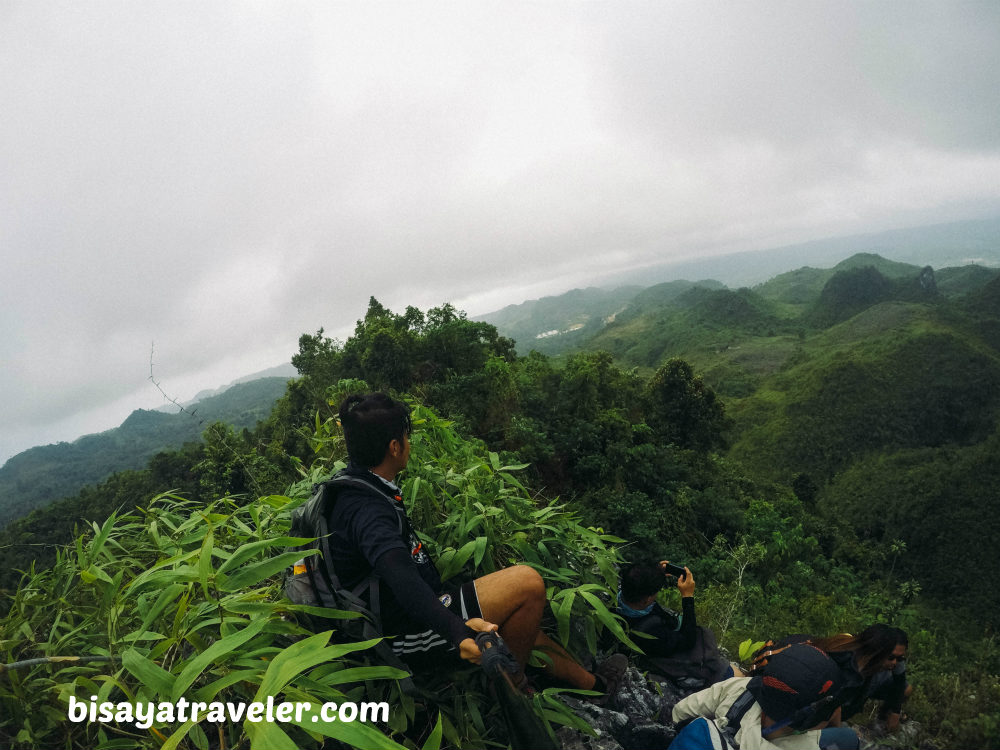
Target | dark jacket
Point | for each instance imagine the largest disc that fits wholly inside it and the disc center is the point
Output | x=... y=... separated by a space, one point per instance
x=662 y=625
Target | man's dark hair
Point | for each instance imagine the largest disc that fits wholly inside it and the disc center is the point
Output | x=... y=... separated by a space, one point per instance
x=640 y=580
x=370 y=423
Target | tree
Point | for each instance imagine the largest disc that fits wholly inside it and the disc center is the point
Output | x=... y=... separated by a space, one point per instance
x=682 y=410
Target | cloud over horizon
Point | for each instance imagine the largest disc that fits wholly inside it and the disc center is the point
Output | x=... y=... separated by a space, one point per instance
x=208 y=181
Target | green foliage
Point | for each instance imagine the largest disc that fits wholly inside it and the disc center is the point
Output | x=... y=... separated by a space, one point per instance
x=910 y=386
x=400 y=352
x=181 y=598
x=747 y=649
x=925 y=506
x=883 y=427
x=682 y=410
x=184 y=599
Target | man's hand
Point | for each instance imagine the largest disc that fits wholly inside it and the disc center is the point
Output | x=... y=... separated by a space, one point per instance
x=685 y=584
x=468 y=649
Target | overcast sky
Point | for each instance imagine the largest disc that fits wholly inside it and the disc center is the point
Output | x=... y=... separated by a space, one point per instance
x=209 y=180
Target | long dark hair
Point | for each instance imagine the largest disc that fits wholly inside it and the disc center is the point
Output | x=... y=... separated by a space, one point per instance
x=871 y=648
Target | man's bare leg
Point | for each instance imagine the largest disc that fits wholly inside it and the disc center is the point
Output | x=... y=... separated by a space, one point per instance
x=563 y=667
x=514 y=599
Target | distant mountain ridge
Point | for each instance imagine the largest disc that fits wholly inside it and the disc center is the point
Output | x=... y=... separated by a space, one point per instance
x=967 y=247
x=561 y=323
x=960 y=243
x=41 y=475
x=279 y=371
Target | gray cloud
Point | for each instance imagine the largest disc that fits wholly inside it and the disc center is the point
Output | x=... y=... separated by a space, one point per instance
x=219 y=178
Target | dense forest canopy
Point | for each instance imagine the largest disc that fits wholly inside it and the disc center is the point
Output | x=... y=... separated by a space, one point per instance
x=820 y=450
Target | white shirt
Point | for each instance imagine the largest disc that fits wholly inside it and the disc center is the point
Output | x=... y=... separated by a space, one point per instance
x=713 y=703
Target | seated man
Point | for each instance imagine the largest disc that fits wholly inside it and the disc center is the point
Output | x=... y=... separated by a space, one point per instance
x=679 y=648
x=783 y=707
x=427 y=619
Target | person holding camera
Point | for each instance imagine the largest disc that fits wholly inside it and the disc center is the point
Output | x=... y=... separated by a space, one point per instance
x=671 y=632
x=677 y=648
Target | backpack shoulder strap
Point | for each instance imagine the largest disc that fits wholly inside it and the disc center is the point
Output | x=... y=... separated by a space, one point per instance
x=734 y=716
x=342 y=481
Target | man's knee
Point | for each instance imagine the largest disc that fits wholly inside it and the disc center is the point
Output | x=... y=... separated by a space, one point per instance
x=529 y=581
x=518 y=583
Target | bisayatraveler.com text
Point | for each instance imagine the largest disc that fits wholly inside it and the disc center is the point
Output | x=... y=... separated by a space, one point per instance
x=144 y=714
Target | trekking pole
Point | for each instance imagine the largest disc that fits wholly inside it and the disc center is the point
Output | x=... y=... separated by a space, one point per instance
x=66 y=660
x=496 y=660
x=525 y=728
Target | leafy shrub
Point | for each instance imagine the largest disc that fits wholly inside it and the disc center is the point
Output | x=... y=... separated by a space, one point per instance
x=179 y=599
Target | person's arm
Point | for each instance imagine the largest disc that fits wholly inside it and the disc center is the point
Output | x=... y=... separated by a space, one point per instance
x=893 y=705
x=688 y=633
x=703 y=703
x=668 y=641
x=397 y=570
x=375 y=530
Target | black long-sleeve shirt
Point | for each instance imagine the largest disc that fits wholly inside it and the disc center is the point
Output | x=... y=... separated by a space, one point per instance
x=366 y=536
x=662 y=625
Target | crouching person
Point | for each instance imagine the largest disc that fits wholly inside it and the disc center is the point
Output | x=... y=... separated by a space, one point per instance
x=783 y=707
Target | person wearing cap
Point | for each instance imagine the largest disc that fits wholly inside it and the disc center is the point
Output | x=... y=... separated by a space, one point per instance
x=793 y=697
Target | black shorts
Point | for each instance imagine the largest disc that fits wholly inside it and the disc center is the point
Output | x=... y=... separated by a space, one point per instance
x=428 y=645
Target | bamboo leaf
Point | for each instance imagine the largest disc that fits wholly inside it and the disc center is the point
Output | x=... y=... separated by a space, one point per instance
x=434 y=739
x=207 y=694
x=205 y=561
x=267 y=735
x=147 y=672
x=174 y=740
x=166 y=596
x=250 y=575
x=291 y=661
x=563 y=616
x=354 y=733
x=480 y=550
x=246 y=551
x=93 y=574
x=222 y=647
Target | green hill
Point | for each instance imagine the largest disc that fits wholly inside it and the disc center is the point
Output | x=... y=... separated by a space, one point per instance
x=859 y=488
x=696 y=321
x=898 y=375
x=41 y=475
x=555 y=324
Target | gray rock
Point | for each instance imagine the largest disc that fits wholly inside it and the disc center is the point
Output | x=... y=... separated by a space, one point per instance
x=637 y=718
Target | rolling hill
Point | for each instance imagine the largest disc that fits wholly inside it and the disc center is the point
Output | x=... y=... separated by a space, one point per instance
x=41 y=475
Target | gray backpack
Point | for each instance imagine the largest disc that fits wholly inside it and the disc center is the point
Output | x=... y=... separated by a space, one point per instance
x=312 y=581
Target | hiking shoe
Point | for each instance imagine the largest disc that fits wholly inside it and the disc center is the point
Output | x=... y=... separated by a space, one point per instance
x=612 y=670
